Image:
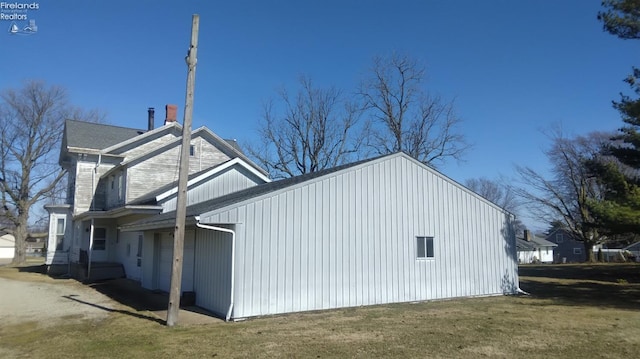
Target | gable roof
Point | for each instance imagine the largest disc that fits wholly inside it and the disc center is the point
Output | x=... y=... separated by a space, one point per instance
x=108 y=138
x=271 y=187
x=195 y=178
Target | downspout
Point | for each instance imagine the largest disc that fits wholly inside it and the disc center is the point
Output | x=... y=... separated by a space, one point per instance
x=233 y=258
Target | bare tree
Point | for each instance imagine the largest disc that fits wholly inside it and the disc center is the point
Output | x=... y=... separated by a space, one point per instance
x=404 y=117
x=311 y=131
x=31 y=123
x=495 y=191
x=564 y=195
x=501 y=194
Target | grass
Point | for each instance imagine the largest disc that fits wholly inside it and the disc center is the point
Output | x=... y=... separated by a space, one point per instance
x=575 y=311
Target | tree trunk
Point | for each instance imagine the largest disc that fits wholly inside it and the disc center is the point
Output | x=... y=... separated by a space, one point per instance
x=20 y=253
x=588 y=250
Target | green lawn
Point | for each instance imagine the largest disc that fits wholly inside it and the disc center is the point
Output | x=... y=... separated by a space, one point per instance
x=574 y=311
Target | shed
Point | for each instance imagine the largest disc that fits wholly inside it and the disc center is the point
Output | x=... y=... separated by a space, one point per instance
x=384 y=230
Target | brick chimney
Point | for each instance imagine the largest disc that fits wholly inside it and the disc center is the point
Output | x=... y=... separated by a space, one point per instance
x=527 y=235
x=151 y=118
x=172 y=113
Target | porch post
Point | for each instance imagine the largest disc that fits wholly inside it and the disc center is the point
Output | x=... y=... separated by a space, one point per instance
x=90 y=249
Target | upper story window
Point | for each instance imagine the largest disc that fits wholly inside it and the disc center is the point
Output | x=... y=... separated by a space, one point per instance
x=559 y=238
x=192 y=150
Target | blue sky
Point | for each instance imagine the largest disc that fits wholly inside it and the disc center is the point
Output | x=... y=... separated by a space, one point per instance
x=514 y=68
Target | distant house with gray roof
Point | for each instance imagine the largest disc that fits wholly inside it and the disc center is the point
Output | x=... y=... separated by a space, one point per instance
x=534 y=249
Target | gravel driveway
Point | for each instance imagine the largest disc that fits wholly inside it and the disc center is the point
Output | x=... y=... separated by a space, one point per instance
x=50 y=303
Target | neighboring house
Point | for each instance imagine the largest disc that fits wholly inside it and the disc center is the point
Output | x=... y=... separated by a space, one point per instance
x=634 y=249
x=384 y=230
x=7 y=245
x=534 y=249
x=568 y=250
x=617 y=252
x=118 y=175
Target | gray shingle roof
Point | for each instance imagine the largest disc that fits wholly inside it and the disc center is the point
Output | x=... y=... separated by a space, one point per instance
x=96 y=135
x=523 y=245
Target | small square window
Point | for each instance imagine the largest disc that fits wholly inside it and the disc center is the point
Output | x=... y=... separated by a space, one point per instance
x=577 y=251
x=424 y=247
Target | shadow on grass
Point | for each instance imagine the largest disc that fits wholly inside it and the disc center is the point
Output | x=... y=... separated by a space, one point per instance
x=131 y=294
x=629 y=272
x=125 y=312
x=613 y=286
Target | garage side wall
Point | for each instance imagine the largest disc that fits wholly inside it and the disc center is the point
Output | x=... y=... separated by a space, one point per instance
x=212 y=277
x=349 y=239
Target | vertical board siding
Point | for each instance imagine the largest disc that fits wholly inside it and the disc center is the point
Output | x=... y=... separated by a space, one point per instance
x=348 y=239
x=212 y=275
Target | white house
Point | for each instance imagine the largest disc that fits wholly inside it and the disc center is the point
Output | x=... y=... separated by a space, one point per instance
x=384 y=230
x=118 y=175
x=534 y=249
x=7 y=245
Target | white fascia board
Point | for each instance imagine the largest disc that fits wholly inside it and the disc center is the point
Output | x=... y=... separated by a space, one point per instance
x=215 y=170
x=142 y=137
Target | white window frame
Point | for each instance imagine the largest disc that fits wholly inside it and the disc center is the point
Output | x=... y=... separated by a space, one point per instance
x=60 y=230
x=425 y=247
x=577 y=250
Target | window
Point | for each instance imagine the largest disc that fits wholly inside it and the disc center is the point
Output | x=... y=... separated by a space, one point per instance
x=192 y=150
x=60 y=224
x=424 y=247
x=577 y=251
x=99 y=239
x=559 y=238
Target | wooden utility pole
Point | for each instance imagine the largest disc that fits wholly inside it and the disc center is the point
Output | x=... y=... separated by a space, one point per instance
x=181 y=205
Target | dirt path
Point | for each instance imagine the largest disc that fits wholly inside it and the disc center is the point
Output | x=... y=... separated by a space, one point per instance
x=50 y=303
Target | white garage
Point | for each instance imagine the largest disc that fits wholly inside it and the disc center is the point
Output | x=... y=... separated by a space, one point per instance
x=385 y=230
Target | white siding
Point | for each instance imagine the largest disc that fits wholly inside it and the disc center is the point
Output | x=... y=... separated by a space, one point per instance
x=212 y=275
x=156 y=272
x=348 y=239
x=231 y=180
x=127 y=253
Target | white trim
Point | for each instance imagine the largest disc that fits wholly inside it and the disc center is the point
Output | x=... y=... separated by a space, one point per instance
x=142 y=136
x=213 y=171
